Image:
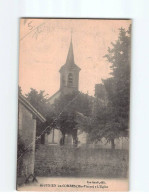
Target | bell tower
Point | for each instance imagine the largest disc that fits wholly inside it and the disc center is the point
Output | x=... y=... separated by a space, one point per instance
x=69 y=73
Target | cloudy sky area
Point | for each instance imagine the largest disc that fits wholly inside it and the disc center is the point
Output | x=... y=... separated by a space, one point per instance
x=44 y=45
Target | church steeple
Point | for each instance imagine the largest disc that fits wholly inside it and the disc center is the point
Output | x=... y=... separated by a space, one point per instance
x=70 y=56
x=69 y=73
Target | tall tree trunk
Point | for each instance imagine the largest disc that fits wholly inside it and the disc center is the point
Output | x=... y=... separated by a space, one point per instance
x=62 y=140
x=75 y=137
x=53 y=136
x=112 y=144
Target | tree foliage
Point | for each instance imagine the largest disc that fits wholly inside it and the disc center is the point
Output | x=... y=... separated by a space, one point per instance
x=118 y=86
x=67 y=107
x=111 y=119
x=40 y=101
x=62 y=114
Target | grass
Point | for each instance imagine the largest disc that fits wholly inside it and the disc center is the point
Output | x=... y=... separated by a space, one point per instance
x=81 y=162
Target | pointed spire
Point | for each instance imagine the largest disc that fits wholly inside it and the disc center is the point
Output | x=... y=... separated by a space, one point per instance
x=70 y=56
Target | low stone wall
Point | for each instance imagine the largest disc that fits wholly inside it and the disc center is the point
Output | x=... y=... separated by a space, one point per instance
x=54 y=160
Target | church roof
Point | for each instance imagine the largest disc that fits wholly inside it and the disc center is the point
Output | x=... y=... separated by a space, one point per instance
x=54 y=97
x=70 y=60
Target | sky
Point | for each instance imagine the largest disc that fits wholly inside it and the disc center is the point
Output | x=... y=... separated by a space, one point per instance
x=44 y=45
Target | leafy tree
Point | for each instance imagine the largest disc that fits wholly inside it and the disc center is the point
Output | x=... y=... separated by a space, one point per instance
x=41 y=102
x=111 y=119
x=118 y=86
x=68 y=106
x=62 y=114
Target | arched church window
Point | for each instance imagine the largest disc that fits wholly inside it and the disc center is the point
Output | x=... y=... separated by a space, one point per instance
x=70 y=79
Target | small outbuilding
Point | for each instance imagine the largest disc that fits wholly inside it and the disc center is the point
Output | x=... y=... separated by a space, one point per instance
x=27 y=118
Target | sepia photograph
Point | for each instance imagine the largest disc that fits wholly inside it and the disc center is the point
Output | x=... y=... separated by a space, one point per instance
x=74 y=104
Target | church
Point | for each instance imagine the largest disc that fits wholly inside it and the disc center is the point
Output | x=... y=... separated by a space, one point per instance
x=69 y=76
x=69 y=82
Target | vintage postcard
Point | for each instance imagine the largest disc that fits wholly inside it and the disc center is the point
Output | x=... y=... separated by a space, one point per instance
x=73 y=104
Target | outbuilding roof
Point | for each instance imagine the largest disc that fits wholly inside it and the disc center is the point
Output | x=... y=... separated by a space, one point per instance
x=31 y=108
